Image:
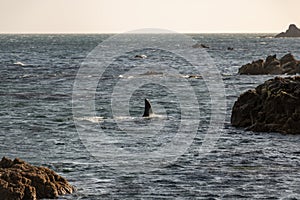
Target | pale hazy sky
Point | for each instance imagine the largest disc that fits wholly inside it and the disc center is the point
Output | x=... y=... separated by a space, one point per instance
x=110 y=16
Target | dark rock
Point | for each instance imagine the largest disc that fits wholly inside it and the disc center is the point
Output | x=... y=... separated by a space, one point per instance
x=194 y=76
x=285 y=65
x=230 y=48
x=287 y=58
x=270 y=59
x=271 y=107
x=198 y=45
x=273 y=67
x=22 y=181
x=290 y=67
x=293 y=31
x=254 y=68
x=140 y=56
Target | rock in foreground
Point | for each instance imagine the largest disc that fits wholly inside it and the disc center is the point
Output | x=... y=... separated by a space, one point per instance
x=285 y=65
x=273 y=106
x=293 y=31
x=22 y=181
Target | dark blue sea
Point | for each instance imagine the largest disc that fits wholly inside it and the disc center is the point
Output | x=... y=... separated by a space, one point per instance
x=74 y=103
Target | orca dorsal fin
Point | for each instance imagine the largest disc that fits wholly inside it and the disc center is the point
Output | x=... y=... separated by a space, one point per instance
x=148 y=109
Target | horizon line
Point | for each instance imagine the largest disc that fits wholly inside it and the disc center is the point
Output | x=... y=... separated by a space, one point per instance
x=82 y=33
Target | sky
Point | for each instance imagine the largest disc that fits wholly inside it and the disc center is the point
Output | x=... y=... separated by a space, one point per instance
x=117 y=16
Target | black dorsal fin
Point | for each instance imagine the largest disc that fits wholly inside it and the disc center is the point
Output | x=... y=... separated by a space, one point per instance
x=148 y=109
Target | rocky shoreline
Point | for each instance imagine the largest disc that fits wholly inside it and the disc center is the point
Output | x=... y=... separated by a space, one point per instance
x=273 y=106
x=21 y=181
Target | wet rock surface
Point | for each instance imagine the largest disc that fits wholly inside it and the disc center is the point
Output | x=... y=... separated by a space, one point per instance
x=273 y=106
x=285 y=65
x=22 y=181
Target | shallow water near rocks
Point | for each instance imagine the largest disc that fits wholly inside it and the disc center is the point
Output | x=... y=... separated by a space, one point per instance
x=37 y=122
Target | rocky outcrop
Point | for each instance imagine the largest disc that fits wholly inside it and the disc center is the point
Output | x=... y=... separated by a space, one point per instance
x=293 y=31
x=271 y=107
x=285 y=65
x=22 y=181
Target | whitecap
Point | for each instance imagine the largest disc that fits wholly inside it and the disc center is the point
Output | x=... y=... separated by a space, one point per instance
x=19 y=64
x=91 y=119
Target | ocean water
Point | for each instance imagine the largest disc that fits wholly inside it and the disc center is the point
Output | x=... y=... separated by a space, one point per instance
x=94 y=134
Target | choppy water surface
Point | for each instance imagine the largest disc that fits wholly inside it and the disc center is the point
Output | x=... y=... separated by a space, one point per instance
x=37 y=122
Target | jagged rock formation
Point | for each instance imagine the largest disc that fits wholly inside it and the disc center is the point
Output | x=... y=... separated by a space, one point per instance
x=273 y=106
x=22 y=181
x=285 y=65
x=293 y=31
